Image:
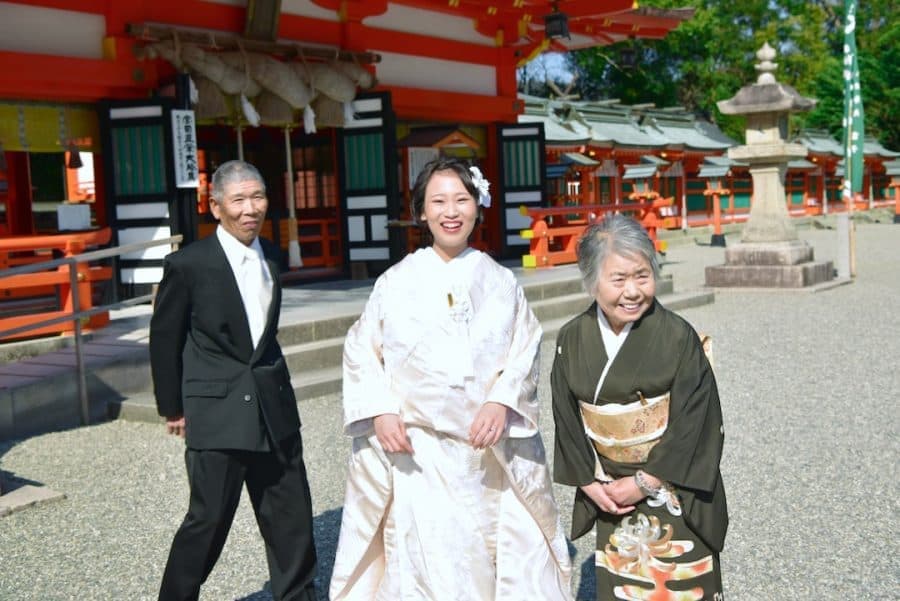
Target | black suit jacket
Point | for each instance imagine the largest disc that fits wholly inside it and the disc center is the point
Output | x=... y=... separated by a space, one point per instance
x=202 y=358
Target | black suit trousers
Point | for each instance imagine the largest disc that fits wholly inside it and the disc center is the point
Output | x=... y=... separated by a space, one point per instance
x=278 y=488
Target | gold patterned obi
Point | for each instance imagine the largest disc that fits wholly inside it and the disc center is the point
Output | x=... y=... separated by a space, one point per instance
x=626 y=433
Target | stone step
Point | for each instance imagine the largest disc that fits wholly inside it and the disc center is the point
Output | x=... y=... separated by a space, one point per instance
x=317 y=382
x=561 y=283
x=40 y=393
x=672 y=301
x=316 y=366
x=561 y=306
x=569 y=284
x=327 y=353
x=291 y=335
x=678 y=301
x=320 y=385
x=141 y=407
x=314 y=355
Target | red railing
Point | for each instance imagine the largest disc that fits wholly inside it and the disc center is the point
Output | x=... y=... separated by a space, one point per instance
x=24 y=250
x=554 y=232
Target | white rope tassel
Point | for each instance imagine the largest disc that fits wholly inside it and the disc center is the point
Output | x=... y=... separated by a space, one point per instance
x=194 y=93
x=349 y=115
x=249 y=111
x=309 y=120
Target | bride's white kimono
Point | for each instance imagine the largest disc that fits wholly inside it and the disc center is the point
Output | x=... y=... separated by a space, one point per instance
x=435 y=342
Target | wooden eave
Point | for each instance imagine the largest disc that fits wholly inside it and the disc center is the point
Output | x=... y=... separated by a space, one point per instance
x=438 y=137
x=521 y=21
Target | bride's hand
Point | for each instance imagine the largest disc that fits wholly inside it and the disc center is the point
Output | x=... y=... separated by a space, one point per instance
x=488 y=425
x=391 y=433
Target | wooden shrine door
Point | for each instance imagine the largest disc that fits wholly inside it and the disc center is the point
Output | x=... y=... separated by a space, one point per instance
x=522 y=179
x=370 y=194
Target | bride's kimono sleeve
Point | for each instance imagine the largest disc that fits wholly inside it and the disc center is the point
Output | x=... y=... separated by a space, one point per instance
x=366 y=388
x=516 y=383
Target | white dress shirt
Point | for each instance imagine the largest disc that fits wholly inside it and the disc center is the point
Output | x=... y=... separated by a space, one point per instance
x=253 y=277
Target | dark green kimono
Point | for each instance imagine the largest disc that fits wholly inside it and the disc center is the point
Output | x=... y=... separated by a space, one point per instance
x=662 y=353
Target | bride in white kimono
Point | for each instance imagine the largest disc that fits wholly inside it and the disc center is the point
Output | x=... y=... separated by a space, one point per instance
x=448 y=495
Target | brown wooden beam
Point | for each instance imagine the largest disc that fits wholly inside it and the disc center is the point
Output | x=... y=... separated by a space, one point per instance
x=261 y=22
x=223 y=41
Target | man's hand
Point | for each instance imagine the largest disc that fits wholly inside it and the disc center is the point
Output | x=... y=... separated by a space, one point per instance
x=391 y=433
x=488 y=425
x=175 y=425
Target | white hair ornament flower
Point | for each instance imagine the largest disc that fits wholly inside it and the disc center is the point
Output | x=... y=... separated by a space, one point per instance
x=484 y=198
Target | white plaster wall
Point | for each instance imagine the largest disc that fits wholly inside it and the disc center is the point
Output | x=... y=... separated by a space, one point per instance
x=408 y=71
x=39 y=30
x=428 y=23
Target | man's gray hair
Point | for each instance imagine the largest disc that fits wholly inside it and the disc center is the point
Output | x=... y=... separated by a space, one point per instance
x=613 y=235
x=231 y=172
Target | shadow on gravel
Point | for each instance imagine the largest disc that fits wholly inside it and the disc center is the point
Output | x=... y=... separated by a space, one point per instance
x=9 y=482
x=588 y=581
x=326 y=527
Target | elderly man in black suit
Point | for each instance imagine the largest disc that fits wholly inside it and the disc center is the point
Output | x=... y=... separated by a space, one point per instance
x=221 y=382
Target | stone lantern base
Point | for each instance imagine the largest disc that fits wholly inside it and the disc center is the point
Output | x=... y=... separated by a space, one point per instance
x=787 y=264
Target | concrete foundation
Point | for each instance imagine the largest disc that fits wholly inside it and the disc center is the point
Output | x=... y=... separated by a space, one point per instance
x=788 y=264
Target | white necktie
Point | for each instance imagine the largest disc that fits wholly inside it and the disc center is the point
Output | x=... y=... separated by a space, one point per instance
x=257 y=294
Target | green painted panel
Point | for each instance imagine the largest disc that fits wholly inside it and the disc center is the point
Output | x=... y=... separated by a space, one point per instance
x=138 y=160
x=741 y=200
x=521 y=164
x=364 y=161
x=696 y=202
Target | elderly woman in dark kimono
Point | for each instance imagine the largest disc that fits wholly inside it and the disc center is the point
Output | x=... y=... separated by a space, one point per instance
x=639 y=428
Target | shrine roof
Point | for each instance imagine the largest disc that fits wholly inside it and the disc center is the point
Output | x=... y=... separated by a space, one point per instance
x=819 y=141
x=709 y=170
x=719 y=166
x=801 y=164
x=578 y=159
x=609 y=122
x=872 y=146
x=559 y=133
x=682 y=128
x=618 y=124
x=648 y=167
x=639 y=171
x=892 y=167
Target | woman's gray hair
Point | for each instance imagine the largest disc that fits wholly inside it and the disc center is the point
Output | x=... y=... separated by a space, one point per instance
x=231 y=172
x=613 y=235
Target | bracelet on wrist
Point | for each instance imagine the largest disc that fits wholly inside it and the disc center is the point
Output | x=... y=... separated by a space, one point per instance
x=640 y=478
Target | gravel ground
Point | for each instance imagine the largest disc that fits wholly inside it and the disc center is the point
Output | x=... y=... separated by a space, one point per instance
x=810 y=461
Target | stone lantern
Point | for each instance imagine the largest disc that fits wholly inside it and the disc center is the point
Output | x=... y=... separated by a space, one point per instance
x=770 y=253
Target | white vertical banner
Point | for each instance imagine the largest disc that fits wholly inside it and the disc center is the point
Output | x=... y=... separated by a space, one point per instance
x=184 y=144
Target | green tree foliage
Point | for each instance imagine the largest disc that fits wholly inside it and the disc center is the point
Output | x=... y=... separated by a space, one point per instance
x=712 y=55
